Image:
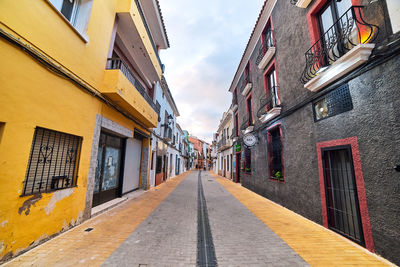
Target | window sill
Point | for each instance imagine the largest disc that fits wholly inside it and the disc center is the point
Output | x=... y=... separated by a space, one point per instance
x=272 y=113
x=48 y=191
x=267 y=57
x=282 y=180
x=348 y=62
x=247 y=89
x=82 y=36
x=303 y=3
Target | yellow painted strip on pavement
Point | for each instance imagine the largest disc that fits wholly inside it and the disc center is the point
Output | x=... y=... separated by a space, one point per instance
x=317 y=245
x=79 y=248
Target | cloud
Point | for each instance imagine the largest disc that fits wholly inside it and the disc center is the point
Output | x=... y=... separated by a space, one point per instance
x=207 y=41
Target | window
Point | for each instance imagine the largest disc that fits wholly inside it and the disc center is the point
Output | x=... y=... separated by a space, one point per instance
x=249 y=110
x=327 y=16
x=159 y=164
x=271 y=90
x=236 y=124
x=227 y=163
x=53 y=161
x=333 y=103
x=247 y=74
x=77 y=12
x=275 y=163
x=247 y=160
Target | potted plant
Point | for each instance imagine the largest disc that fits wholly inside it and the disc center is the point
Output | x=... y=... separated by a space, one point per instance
x=277 y=175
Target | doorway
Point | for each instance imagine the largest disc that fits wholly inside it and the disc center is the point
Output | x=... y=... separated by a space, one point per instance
x=238 y=163
x=341 y=193
x=108 y=169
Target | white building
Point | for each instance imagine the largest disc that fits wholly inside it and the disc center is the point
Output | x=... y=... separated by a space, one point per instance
x=224 y=145
x=166 y=158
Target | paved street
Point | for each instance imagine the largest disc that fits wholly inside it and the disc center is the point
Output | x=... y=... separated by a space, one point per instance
x=160 y=228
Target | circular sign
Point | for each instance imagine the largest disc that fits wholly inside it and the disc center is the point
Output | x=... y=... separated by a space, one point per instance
x=249 y=139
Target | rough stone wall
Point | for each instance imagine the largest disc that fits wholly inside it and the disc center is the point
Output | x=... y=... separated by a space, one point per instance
x=374 y=119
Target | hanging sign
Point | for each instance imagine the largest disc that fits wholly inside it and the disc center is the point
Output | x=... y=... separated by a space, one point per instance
x=249 y=140
x=238 y=148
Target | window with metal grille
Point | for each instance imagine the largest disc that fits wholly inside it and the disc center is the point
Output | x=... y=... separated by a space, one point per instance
x=247 y=160
x=53 y=161
x=333 y=103
x=275 y=163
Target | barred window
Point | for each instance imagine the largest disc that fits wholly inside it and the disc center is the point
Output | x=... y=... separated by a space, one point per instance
x=53 y=161
x=247 y=160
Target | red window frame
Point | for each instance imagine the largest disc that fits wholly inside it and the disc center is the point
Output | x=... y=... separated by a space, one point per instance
x=236 y=124
x=358 y=173
x=271 y=67
x=312 y=19
x=270 y=156
x=247 y=108
x=247 y=72
x=245 y=162
x=269 y=23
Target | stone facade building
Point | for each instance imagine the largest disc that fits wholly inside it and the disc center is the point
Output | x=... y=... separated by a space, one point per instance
x=317 y=88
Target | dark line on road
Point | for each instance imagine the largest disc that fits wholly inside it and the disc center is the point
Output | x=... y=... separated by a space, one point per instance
x=205 y=246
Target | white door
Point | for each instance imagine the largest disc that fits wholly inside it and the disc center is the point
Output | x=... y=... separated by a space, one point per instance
x=132 y=165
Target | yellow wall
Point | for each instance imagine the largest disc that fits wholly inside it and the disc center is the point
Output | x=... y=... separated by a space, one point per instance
x=32 y=96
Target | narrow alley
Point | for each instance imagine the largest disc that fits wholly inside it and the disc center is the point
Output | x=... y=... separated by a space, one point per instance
x=160 y=228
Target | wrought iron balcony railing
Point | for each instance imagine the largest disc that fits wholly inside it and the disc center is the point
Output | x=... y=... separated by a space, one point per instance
x=221 y=143
x=168 y=133
x=244 y=81
x=267 y=42
x=347 y=32
x=117 y=63
x=269 y=102
x=247 y=121
x=234 y=98
x=234 y=134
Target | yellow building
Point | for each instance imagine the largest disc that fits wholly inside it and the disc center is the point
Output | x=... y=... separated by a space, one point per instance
x=77 y=81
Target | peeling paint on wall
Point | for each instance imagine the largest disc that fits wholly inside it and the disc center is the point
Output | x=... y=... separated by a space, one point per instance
x=4 y=223
x=26 y=206
x=57 y=196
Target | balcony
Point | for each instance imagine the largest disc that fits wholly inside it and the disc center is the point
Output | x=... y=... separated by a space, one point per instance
x=266 y=51
x=134 y=30
x=247 y=125
x=234 y=101
x=168 y=134
x=300 y=3
x=123 y=88
x=269 y=106
x=246 y=84
x=342 y=48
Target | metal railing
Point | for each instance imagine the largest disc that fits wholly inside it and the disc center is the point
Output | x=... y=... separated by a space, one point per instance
x=247 y=121
x=221 y=143
x=234 y=98
x=168 y=133
x=117 y=63
x=244 y=81
x=348 y=31
x=268 y=102
x=294 y=2
x=148 y=32
x=267 y=42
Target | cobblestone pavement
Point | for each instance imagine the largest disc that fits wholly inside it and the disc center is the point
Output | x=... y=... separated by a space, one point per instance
x=160 y=229
x=240 y=238
x=168 y=237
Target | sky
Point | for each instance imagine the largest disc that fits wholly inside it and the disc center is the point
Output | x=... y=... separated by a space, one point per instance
x=207 y=39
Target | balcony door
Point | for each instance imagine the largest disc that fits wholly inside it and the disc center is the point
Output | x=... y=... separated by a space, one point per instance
x=333 y=27
x=272 y=89
x=341 y=193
